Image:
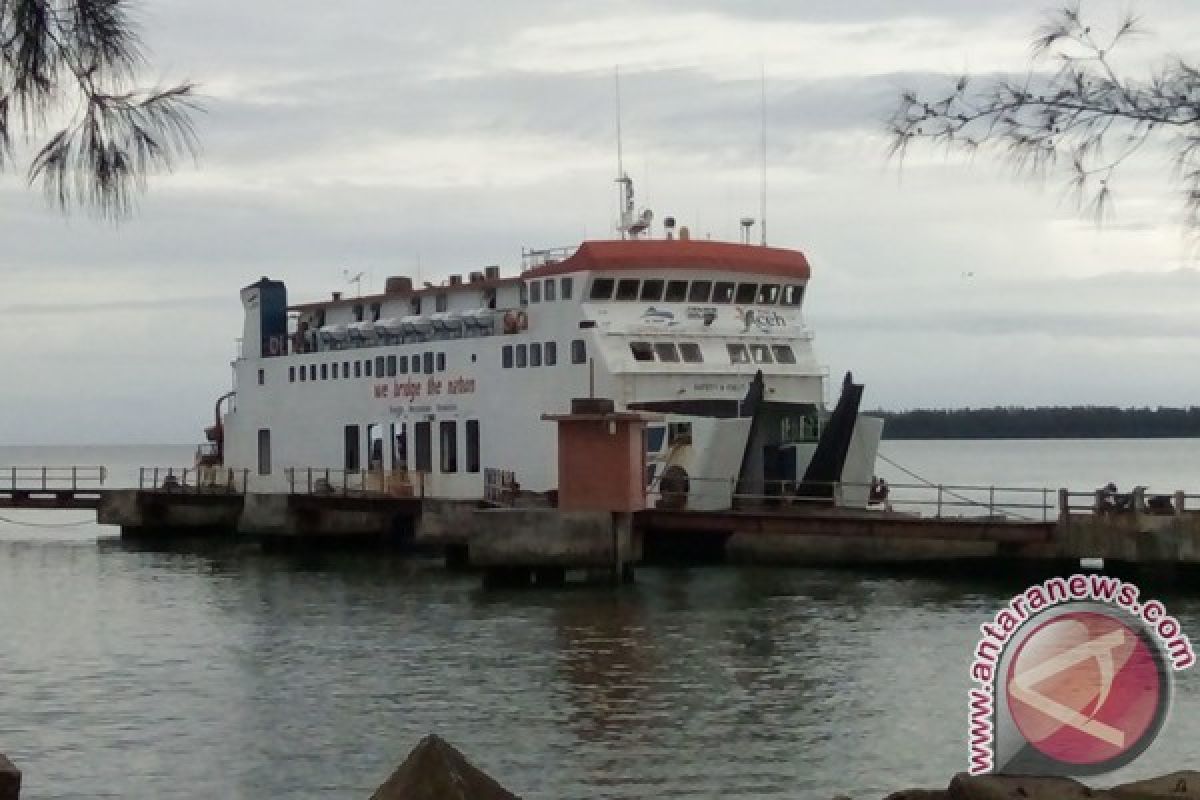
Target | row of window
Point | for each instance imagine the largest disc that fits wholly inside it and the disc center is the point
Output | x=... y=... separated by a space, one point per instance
x=668 y=352
x=545 y=290
x=761 y=354
x=420 y=458
x=689 y=353
x=656 y=290
x=540 y=354
x=380 y=367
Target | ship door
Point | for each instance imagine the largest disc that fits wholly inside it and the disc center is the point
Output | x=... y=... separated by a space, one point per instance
x=779 y=466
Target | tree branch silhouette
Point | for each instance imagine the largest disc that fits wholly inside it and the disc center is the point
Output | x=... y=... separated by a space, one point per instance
x=1084 y=115
x=67 y=69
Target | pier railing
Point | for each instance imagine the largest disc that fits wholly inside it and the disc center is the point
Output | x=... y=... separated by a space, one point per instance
x=193 y=479
x=331 y=481
x=1141 y=500
x=46 y=479
x=1032 y=504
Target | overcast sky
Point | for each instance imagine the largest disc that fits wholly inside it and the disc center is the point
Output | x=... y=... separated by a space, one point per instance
x=366 y=135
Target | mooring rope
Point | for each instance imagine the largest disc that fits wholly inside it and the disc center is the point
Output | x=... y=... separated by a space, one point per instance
x=955 y=495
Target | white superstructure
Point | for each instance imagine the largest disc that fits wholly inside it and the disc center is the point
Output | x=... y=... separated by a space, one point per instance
x=441 y=384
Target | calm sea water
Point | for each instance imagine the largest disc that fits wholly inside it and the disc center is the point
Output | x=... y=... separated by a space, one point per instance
x=226 y=672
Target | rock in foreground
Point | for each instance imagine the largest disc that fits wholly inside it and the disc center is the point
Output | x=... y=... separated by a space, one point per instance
x=435 y=770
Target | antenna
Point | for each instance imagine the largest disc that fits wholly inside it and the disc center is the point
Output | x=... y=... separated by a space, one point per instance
x=624 y=184
x=762 y=200
x=617 y=82
x=355 y=279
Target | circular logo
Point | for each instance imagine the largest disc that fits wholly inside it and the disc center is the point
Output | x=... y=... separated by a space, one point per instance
x=1088 y=690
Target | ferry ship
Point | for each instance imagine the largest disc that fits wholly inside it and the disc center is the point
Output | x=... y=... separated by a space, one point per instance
x=439 y=390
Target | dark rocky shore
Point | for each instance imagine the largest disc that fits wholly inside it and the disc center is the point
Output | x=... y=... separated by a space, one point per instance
x=436 y=770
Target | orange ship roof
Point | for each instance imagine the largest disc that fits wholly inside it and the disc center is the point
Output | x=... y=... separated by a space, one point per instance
x=678 y=254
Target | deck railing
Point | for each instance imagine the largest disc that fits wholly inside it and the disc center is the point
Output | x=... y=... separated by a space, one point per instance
x=332 y=481
x=193 y=480
x=1034 y=504
x=61 y=478
x=1141 y=500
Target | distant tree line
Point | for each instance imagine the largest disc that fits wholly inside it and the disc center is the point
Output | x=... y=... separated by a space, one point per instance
x=1043 y=422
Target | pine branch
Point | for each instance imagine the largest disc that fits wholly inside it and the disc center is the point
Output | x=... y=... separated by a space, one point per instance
x=1077 y=115
x=73 y=63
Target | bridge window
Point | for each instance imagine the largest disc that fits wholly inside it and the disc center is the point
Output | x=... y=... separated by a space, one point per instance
x=358 y=313
x=522 y=356
x=448 y=445
x=380 y=361
x=535 y=291
x=535 y=354
x=691 y=353
x=428 y=363
x=291 y=374
x=391 y=366
x=549 y=290
x=793 y=294
x=303 y=374
x=723 y=293
x=367 y=368
x=627 y=290
x=567 y=285
x=738 y=353
x=262 y=377
x=551 y=352
x=746 y=292
x=578 y=351
x=440 y=302
x=602 y=289
x=441 y=362
x=345 y=369
x=402 y=365
x=783 y=354
x=312 y=372
x=761 y=354
x=676 y=292
x=376 y=310
x=414 y=305
x=700 y=292
x=333 y=370
x=642 y=351
x=768 y=294
x=666 y=352
x=324 y=372
x=652 y=291
x=506 y=356
x=472 y=445
x=358 y=369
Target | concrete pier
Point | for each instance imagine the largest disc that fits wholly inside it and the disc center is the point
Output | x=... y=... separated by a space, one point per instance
x=546 y=546
x=152 y=512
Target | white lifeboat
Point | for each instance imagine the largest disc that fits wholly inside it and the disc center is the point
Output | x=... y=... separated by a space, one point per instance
x=333 y=336
x=446 y=321
x=361 y=331
x=389 y=327
x=416 y=325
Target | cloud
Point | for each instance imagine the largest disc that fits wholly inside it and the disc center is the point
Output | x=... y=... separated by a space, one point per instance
x=375 y=136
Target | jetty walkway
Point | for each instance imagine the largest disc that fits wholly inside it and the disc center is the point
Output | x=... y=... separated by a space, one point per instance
x=517 y=534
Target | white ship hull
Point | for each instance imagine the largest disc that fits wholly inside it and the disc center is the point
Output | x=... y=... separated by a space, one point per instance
x=431 y=389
